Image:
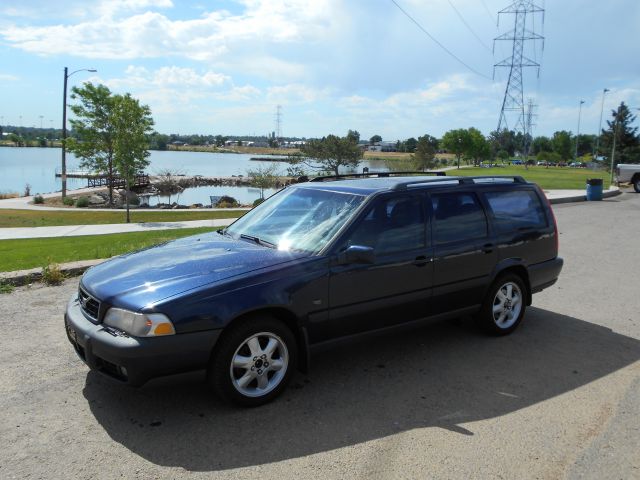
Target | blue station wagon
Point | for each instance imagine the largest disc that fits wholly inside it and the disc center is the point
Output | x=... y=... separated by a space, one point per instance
x=316 y=262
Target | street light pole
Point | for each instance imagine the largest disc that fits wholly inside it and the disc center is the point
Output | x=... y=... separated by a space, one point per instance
x=63 y=174
x=595 y=154
x=575 y=155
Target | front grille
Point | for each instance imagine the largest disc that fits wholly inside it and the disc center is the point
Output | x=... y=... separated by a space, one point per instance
x=90 y=306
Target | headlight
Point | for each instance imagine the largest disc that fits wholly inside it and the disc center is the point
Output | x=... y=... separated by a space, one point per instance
x=139 y=324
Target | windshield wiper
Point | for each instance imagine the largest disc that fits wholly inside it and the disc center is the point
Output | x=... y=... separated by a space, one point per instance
x=257 y=240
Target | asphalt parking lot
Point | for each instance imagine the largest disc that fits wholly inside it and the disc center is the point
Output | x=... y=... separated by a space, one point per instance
x=560 y=398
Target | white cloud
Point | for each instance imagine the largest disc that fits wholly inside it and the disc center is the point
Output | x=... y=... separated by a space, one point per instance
x=295 y=93
x=170 y=77
x=114 y=35
x=6 y=77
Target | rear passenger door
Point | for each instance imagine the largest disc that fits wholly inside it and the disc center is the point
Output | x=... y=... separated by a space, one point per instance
x=465 y=252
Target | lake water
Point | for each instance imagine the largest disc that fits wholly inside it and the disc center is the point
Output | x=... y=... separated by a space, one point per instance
x=37 y=167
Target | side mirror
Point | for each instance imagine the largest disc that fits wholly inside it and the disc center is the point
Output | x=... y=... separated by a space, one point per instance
x=356 y=254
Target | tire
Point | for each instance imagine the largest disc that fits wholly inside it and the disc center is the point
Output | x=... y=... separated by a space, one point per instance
x=504 y=305
x=253 y=361
x=636 y=184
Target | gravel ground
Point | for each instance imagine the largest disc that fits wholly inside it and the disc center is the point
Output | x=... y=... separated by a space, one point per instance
x=560 y=398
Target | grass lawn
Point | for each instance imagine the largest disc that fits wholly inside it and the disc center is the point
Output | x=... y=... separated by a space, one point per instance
x=48 y=218
x=37 y=252
x=548 y=178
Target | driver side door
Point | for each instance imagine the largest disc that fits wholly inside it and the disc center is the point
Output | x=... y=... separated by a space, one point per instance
x=396 y=287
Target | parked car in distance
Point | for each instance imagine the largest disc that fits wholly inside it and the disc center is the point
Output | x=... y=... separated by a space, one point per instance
x=316 y=262
x=628 y=173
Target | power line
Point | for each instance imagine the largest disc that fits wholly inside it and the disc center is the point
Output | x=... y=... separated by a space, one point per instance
x=437 y=42
x=468 y=26
x=489 y=12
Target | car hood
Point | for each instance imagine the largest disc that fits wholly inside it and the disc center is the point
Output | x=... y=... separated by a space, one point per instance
x=148 y=276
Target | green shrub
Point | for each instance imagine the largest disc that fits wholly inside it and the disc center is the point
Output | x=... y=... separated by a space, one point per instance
x=257 y=201
x=68 y=201
x=38 y=199
x=227 y=202
x=52 y=275
x=5 y=287
x=82 y=202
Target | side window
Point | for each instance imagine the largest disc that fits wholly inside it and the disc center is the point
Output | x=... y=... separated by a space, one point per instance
x=457 y=216
x=515 y=209
x=392 y=225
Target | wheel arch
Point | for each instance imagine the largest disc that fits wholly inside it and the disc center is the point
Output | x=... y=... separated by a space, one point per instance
x=518 y=269
x=290 y=320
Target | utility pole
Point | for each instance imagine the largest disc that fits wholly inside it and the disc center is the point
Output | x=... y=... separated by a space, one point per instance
x=278 y=124
x=528 y=135
x=575 y=155
x=595 y=154
x=513 y=101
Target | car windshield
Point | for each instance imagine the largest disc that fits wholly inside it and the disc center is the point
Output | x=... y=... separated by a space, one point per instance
x=297 y=219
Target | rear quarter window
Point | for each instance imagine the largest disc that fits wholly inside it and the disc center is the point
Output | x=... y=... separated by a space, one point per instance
x=516 y=209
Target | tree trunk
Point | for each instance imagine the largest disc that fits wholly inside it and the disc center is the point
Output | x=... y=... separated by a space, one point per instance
x=127 y=198
x=110 y=180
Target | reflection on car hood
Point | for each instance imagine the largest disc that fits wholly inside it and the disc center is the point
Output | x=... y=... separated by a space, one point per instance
x=148 y=276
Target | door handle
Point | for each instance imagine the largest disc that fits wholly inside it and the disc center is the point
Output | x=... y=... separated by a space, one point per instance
x=487 y=248
x=421 y=261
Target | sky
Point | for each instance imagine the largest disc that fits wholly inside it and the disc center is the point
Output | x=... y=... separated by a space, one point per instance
x=222 y=67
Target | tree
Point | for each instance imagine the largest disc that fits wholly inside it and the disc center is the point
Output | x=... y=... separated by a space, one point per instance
x=504 y=140
x=354 y=135
x=330 y=153
x=541 y=144
x=375 y=139
x=410 y=145
x=132 y=123
x=457 y=142
x=264 y=177
x=93 y=130
x=562 y=144
x=478 y=148
x=627 y=141
x=425 y=153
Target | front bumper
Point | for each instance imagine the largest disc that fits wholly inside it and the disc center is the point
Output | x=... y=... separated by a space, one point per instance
x=133 y=360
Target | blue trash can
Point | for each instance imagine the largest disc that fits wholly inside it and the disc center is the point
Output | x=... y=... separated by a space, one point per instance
x=594 y=189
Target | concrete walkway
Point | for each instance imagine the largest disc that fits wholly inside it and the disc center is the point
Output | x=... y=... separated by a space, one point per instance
x=78 y=230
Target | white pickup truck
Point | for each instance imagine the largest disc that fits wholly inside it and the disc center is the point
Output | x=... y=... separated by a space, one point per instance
x=629 y=173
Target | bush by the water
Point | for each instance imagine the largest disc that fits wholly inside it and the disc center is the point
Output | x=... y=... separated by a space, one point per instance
x=82 y=202
x=38 y=199
x=258 y=201
x=68 y=201
x=227 y=202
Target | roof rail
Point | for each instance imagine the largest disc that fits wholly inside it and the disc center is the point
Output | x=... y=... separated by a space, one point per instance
x=494 y=179
x=460 y=181
x=373 y=175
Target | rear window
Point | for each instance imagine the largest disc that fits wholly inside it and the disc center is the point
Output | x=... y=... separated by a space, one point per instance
x=516 y=209
x=457 y=217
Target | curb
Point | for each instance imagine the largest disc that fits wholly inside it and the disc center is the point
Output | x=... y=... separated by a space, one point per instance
x=583 y=198
x=24 y=277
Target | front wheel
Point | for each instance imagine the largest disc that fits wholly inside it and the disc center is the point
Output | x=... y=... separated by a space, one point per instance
x=253 y=361
x=636 y=185
x=504 y=306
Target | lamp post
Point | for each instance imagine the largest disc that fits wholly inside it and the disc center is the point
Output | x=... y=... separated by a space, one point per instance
x=63 y=174
x=575 y=155
x=595 y=154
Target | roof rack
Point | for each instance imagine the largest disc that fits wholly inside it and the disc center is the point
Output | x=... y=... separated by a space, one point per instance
x=374 y=175
x=461 y=181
